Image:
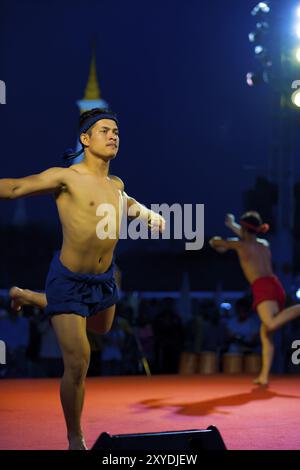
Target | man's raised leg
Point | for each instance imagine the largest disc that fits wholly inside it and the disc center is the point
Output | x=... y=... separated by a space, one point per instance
x=71 y=333
x=100 y=323
x=268 y=312
x=20 y=297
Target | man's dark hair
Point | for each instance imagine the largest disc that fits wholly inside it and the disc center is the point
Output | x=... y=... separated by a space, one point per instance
x=252 y=218
x=84 y=117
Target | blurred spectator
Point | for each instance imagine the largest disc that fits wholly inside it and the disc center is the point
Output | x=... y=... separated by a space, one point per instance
x=33 y=350
x=14 y=331
x=213 y=336
x=112 y=347
x=193 y=333
x=169 y=336
x=50 y=355
x=144 y=331
x=242 y=333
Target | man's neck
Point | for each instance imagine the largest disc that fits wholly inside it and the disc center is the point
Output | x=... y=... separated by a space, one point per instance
x=95 y=165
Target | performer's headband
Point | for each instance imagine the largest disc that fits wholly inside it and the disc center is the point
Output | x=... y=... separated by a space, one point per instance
x=70 y=154
x=91 y=121
x=263 y=228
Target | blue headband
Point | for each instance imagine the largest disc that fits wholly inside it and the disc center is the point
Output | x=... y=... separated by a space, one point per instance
x=69 y=154
x=90 y=122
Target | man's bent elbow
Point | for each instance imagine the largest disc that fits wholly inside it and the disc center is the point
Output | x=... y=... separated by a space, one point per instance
x=9 y=189
x=15 y=192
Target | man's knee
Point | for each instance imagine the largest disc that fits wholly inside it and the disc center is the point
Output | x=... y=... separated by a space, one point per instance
x=76 y=366
x=269 y=325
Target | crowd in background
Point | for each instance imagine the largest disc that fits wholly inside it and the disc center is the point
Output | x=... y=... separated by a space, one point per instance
x=151 y=331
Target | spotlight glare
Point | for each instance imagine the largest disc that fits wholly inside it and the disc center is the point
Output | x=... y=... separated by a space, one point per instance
x=298 y=30
x=298 y=11
x=261 y=8
x=298 y=294
x=250 y=79
x=298 y=54
x=261 y=29
x=225 y=305
x=252 y=37
x=254 y=79
x=262 y=26
x=264 y=7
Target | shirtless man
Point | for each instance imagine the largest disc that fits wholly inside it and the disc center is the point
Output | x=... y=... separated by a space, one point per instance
x=80 y=284
x=268 y=294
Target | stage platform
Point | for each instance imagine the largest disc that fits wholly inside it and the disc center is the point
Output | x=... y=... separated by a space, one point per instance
x=248 y=417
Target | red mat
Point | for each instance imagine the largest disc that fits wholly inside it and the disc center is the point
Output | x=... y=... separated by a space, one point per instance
x=247 y=417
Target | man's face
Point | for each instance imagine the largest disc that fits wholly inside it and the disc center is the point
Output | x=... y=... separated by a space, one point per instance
x=103 y=140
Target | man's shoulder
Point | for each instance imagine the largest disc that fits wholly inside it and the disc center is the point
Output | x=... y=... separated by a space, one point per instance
x=117 y=181
x=263 y=242
x=77 y=168
x=55 y=173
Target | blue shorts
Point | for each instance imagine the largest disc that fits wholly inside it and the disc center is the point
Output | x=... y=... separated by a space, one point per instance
x=83 y=294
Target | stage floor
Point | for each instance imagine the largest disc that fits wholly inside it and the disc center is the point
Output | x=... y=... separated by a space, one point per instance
x=247 y=417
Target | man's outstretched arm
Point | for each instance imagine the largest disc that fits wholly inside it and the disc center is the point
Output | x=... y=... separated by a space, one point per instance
x=48 y=181
x=221 y=245
x=232 y=225
x=153 y=220
x=135 y=209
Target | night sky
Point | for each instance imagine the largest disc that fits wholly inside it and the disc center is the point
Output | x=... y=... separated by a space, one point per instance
x=192 y=131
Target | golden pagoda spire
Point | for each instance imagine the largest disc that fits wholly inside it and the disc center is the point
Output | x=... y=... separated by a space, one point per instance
x=92 y=90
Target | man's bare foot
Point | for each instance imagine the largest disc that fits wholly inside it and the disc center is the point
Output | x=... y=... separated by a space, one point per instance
x=18 y=298
x=260 y=380
x=77 y=443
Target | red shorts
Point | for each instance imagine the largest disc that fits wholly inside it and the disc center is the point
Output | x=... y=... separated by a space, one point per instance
x=268 y=288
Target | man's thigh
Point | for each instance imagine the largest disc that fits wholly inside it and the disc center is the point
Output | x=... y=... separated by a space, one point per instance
x=70 y=330
x=267 y=310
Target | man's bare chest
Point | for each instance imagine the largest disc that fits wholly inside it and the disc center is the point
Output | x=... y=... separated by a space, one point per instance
x=91 y=195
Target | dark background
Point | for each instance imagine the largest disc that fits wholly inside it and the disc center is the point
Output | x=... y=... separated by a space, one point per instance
x=192 y=131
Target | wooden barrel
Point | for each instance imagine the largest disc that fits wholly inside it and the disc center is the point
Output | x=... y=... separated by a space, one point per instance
x=232 y=363
x=252 y=363
x=188 y=363
x=208 y=363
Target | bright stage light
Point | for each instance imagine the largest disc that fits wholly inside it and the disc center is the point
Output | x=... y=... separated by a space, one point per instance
x=264 y=7
x=253 y=36
x=298 y=30
x=261 y=8
x=298 y=54
x=253 y=79
x=261 y=28
x=258 y=50
x=296 y=98
x=298 y=294
x=226 y=305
